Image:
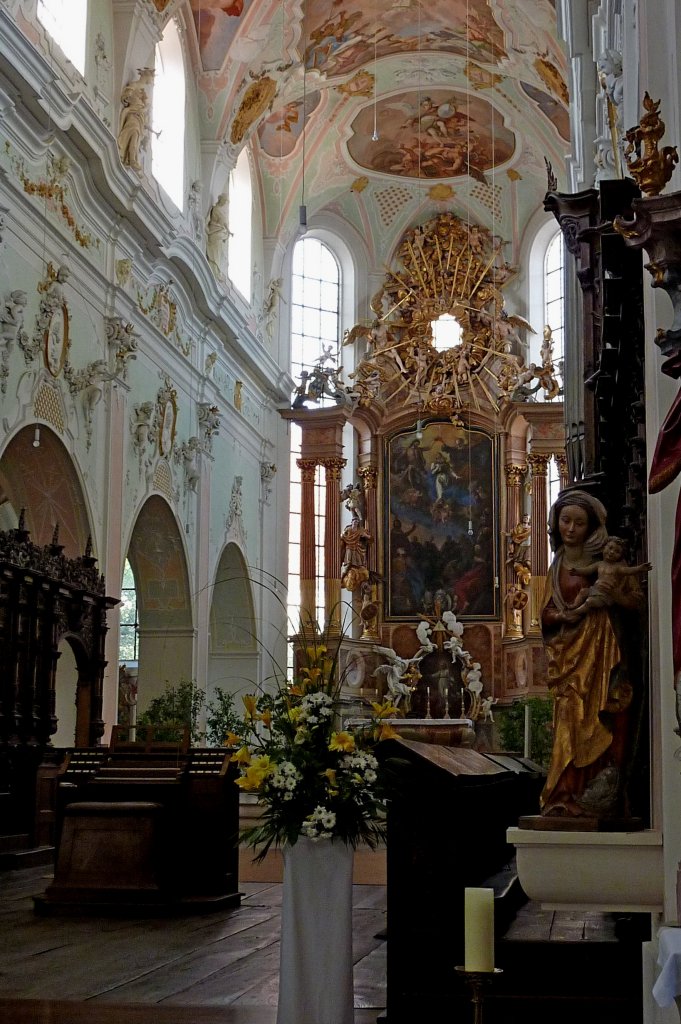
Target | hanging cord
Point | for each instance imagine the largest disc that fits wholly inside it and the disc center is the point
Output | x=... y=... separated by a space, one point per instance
x=375 y=136
x=302 y=212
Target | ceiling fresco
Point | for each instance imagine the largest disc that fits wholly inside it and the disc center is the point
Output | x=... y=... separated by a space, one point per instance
x=468 y=97
x=442 y=135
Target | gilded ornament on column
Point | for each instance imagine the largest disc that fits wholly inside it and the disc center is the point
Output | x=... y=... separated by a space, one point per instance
x=515 y=475
x=369 y=476
x=308 y=469
x=650 y=167
x=538 y=463
x=333 y=468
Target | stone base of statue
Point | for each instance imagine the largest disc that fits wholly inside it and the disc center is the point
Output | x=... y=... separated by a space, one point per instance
x=574 y=823
x=315 y=982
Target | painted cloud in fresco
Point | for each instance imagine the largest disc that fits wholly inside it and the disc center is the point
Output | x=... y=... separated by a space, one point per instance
x=279 y=132
x=339 y=40
x=429 y=136
x=217 y=22
x=551 y=107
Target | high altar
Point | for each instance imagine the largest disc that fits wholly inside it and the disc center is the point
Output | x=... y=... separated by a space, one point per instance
x=439 y=543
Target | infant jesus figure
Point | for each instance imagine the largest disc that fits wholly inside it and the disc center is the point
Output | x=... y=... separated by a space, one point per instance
x=609 y=572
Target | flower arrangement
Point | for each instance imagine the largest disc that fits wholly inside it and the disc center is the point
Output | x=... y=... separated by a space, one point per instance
x=313 y=778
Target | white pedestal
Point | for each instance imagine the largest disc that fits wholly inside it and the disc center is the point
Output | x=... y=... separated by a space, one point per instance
x=604 y=871
x=315 y=984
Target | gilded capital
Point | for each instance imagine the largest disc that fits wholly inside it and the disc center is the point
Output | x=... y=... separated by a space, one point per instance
x=308 y=469
x=538 y=463
x=369 y=476
x=334 y=468
x=515 y=474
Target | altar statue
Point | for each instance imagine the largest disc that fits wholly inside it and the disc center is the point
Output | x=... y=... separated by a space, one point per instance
x=587 y=671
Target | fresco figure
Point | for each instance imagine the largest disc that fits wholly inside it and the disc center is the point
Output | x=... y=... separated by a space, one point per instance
x=586 y=668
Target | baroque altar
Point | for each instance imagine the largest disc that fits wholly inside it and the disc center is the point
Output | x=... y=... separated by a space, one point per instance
x=431 y=539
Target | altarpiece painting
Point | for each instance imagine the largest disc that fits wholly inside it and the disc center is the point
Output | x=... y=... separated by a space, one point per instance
x=441 y=510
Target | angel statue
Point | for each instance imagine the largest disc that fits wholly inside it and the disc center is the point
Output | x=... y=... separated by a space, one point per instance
x=395 y=671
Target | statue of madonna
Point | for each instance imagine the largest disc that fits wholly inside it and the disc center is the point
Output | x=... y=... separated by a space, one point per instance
x=587 y=672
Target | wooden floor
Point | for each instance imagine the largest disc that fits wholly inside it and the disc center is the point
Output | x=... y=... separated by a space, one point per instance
x=220 y=968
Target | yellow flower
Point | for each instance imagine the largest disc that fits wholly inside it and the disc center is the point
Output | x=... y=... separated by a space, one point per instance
x=242 y=756
x=313 y=654
x=387 y=733
x=311 y=674
x=342 y=741
x=231 y=739
x=263 y=761
x=294 y=714
x=331 y=777
x=266 y=719
x=385 y=710
x=253 y=778
x=250 y=703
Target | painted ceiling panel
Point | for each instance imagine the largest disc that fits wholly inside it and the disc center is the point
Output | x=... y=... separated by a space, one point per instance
x=461 y=94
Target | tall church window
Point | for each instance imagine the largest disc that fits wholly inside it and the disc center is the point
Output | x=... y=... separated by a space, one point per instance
x=315 y=317
x=554 y=299
x=66 y=22
x=240 y=225
x=168 y=115
x=128 y=645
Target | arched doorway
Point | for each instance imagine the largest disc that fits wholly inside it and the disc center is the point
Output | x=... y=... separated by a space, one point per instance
x=234 y=660
x=38 y=475
x=164 y=607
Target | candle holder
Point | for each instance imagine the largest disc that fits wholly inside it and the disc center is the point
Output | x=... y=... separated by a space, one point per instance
x=428 y=714
x=447 y=714
x=478 y=981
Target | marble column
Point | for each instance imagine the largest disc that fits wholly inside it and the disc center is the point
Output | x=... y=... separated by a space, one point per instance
x=538 y=463
x=332 y=544
x=514 y=483
x=561 y=461
x=308 y=574
x=369 y=475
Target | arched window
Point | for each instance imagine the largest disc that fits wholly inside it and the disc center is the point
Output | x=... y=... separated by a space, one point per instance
x=547 y=298
x=315 y=322
x=554 y=299
x=66 y=22
x=128 y=644
x=167 y=141
x=240 y=225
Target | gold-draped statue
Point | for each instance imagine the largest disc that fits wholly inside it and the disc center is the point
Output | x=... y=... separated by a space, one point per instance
x=587 y=665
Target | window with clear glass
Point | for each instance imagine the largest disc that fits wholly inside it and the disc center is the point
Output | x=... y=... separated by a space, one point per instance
x=168 y=123
x=554 y=301
x=66 y=22
x=446 y=332
x=128 y=646
x=315 y=317
x=240 y=225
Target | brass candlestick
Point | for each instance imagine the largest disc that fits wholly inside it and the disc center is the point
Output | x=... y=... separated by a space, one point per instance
x=477 y=981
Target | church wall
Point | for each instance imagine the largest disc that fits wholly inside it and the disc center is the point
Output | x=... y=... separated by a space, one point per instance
x=195 y=350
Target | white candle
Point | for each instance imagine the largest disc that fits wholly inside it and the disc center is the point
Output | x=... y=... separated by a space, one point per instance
x=479 y=929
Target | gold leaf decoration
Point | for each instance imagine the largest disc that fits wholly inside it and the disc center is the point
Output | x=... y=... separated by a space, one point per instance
x=440 y=192
x=255 y=102
x=359 y=184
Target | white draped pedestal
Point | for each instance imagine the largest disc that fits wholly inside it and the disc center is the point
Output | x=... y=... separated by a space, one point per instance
x=315 y=980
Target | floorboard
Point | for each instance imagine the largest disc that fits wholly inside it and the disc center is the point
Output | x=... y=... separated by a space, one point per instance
x=221 y=968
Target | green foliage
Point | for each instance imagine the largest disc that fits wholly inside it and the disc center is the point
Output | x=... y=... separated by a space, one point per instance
x=221 y=718
x=511 y=724
x=179 y=705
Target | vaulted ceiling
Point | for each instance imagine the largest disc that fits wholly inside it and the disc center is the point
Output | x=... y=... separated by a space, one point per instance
x=384 y=112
